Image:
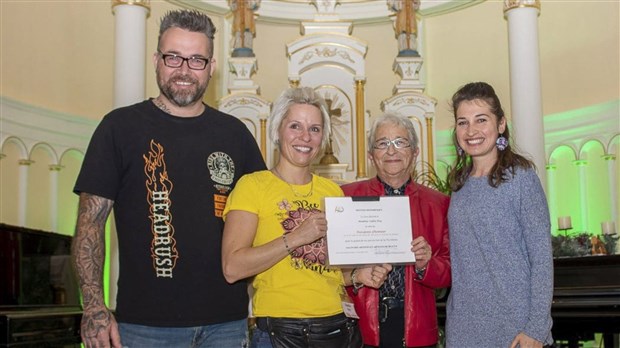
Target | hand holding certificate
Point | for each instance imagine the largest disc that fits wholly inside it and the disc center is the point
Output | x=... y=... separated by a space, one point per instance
x=368 y=230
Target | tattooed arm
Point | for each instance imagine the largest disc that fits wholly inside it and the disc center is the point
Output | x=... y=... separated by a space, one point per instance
x=99 y=328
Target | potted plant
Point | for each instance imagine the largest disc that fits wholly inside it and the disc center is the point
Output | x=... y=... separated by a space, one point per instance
x=427 y=175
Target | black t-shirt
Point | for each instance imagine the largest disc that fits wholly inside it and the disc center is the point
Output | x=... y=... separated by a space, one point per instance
x=169 y=178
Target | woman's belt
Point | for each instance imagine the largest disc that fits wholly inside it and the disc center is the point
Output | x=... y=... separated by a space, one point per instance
x=263 y=322
x=388 y=303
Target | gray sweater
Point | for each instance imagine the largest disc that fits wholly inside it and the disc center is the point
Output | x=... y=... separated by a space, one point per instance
x=502 y=263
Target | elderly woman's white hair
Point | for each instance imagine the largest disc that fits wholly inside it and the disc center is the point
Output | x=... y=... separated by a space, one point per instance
x=393 y=119
x=290 y=97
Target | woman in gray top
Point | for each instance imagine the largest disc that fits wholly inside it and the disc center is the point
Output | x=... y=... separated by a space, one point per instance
x=500 y=239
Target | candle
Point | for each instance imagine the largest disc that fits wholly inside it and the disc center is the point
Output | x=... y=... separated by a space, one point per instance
x=564 y=223
x=608 y=227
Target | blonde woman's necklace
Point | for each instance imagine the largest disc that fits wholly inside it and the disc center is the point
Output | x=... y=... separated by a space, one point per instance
x=295 y=192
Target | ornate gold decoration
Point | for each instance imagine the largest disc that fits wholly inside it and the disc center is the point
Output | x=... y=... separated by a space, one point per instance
x=25 y=162
x=241 y=101
x=326 y=52
x=410 y=100
x=328 y=157
x=55 y=167
x=429 y=138
x=339 y=111
x=512 y=4
x=143 y=3
x=360 y=128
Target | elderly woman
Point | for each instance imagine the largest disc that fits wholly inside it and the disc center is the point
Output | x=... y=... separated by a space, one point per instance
x=275 y=229
x=401 y=313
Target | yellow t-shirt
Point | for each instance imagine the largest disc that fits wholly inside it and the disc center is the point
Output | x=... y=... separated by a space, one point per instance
x=301 y=285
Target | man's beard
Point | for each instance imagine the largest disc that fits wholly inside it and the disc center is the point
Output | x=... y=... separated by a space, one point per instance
x=182 y=97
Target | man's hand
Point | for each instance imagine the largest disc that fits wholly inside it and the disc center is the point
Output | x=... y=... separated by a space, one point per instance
x=99 y=329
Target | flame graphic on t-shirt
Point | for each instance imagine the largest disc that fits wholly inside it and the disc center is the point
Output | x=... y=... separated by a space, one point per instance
x=159 y=187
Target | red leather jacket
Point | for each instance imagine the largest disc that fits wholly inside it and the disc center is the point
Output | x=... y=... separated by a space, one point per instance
x=428 y=219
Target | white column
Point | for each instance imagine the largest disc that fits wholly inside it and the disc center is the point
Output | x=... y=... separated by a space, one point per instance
x=551 y=194
x=129 y=83
x=612 y=178
x=525 y=86
x=22 y=191
x=130 y=50
x=53 y=204
x=583 y=194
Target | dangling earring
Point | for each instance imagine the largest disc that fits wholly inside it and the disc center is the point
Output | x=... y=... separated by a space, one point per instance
x=459 y=150
x=501 y=142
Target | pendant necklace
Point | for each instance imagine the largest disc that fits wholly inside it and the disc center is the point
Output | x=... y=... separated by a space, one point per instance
x=295 y=192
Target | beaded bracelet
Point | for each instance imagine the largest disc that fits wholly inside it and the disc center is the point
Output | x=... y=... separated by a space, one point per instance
x=286 y=244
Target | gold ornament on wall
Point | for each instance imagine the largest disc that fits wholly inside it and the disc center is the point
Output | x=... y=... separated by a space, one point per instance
x=339 y=110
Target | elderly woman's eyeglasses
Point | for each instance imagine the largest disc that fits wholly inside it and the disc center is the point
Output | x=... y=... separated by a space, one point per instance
x=175 y=61
x=383 y=144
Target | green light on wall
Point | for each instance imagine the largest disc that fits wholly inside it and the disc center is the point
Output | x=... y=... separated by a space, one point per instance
x=106 y=266
x=582 y=189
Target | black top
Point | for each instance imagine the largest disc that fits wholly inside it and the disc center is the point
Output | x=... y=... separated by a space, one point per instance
x=169 y=178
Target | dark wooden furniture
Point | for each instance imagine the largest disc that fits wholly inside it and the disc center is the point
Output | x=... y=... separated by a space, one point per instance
x=40 y=327
x=586 y=300
x=39 y=298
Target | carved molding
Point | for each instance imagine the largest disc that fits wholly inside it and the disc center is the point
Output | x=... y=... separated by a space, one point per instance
x=512 y=4
x=241 y=70
x=253 y=111
x=142 y=3
x=325 y=52
x=28 y=127
x=357 y=11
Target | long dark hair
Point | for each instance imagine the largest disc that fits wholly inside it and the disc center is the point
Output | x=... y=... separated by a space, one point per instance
x=507 y=160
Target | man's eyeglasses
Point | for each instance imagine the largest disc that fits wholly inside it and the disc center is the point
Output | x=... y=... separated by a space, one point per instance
x=194 y=63
x=399 y=143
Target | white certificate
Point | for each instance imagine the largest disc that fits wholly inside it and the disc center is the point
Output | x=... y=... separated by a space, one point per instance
x=368 y=230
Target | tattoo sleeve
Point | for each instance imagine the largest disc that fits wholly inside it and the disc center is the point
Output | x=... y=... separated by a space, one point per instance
x=89 y=253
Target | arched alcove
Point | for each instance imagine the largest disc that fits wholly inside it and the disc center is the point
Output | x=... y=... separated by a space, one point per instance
x=15 y=143
x=612 y=160
x=597 y=195
x=70 y=163
x=39 y=188
x=562 y=176
x=9 y=185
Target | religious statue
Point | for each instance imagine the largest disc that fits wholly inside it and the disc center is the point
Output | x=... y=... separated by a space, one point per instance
x=243 y=27
x=598 y=247
x=405 y=26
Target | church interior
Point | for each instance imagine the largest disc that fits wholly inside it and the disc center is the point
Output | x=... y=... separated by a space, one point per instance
x=554 y=64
